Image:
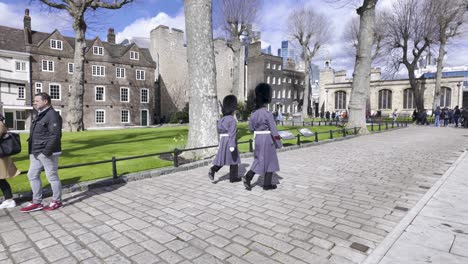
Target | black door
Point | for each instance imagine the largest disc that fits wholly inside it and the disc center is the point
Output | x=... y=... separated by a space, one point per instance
x=465 y=99
x=9 y=120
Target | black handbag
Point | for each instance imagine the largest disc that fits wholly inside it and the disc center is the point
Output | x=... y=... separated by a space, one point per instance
x=10 y=145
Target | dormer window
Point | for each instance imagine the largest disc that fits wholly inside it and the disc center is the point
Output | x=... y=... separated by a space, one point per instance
x=134 y=55
x=98 y=50
x=56 y=44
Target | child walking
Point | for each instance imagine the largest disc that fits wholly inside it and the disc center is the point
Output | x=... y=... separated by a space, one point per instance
x=228 y=153
x=266 y=140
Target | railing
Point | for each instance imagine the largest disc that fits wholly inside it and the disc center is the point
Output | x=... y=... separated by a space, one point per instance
x=176 y=152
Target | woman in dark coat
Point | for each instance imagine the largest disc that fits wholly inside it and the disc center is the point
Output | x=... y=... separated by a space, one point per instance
x=266 y=140
x=228 y=153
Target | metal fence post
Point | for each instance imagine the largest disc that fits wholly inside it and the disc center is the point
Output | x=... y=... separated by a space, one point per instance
x=372 y=126
x=393 y=124
x=293 y=123
x=319 y=123
x=380 y=126
x=298 y=139
x=331 y=134
x=344 y=132
x=355 y=130
x=386 y=125
x=114 y=168
x=176 y=156
x=316 y=136
x=250 y=145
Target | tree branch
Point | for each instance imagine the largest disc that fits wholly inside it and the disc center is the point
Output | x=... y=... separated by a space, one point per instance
x=54 y=5
x=116 y=5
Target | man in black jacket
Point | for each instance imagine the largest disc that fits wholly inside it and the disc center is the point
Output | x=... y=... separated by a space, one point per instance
x=44 y=145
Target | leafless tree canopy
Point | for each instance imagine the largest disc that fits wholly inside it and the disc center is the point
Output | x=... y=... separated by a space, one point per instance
x=352 y=32
x=237 y=15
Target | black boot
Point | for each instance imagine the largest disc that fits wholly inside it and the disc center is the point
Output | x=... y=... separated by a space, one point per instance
x=267 y=182
x=233 y=173
x=247 y=179
x=212 y=172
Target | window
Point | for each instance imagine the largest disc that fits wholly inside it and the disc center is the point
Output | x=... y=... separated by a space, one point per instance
x=134 y=55
x=289 y=80
x=274 y=66
x=284 y=80
x=124 y=94
x=284 y=93
x=100 y=117
x=38 y=88
x=295 y=81
x=125 y=116
x=385 y=99
x=144 y=95
x=47 y=66
x=445 y=97
x=289 y=94
x=302 y=82
x=274 y=81
x=268 y=65
x=98 y=50
x=71 y=68
x=20 y=66
x=54 y=92
x=268 y=79
x=279 y=94
x=279 y=80
x=340 y=100
x=21 y=92
x=140 y=74
x=279 y=67
x=99 y=70
x=408 y=99
x=100 y=94
x=273 y=94
x=56 y=44
x=120 y=72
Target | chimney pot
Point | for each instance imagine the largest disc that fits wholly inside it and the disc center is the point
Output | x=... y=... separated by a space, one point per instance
x=111 y=36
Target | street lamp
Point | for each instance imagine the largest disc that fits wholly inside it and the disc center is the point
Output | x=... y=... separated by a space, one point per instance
x=326 y=100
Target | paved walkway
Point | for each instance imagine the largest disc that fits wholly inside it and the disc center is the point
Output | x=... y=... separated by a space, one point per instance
x=335 y=203
x=436 y=229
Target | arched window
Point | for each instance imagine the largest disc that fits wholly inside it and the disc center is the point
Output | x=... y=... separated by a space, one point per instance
x=445 y=97
x=340 y=100
x=408 y=99
x=273 y=95
x=385 y=99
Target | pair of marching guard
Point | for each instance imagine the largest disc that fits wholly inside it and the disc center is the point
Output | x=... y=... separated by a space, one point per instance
x=266 y=141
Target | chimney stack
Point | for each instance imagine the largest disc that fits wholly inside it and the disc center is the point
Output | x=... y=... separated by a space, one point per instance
x=111 y=36
x=27 y=27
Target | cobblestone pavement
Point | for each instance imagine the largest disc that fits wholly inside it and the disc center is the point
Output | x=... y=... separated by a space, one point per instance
x=333 y=201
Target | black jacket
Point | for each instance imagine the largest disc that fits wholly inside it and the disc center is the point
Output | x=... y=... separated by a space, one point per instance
x=45 y=133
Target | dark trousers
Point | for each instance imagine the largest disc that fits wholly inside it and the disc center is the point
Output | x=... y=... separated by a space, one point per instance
x=455 y=118
x=6 y=189
x=267 y=179
x=233 y=171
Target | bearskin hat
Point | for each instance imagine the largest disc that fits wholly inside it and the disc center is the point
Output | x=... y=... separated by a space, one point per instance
x=229 y=104
x=262 y=94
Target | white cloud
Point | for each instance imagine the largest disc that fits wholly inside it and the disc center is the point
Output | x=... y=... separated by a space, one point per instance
x=41 y=20
x=143 y=26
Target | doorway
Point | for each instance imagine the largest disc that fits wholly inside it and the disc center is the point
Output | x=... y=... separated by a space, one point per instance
x=144 y=117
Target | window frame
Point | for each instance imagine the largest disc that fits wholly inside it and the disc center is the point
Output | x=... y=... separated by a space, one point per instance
x=103 y=93
x=144 y=75
x=72 y=68
x=133 y=57
x=121 y=116
x=147 y=95
x=22 y=66
x=23 y=97
x=385 y=98
x=103 y=116
x=59 y=91
x=36 y=87
x=121 y=71
x=95 y=72
x=408 y=92
x=128 y=94
x=56 y=41
x=340 y=101
x=49 y=63
x=98 y=50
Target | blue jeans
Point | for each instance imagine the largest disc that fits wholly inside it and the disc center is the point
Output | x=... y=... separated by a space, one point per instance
x=50 y=165
x=437 y=121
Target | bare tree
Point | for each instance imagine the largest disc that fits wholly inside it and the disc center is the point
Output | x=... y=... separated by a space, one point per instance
x=178 y=94
x=203 y=111
x=237 y=17
x=449 y=15
x=351 y=35
x=410 y=31
x=311 y=31
x=77 y=10
x=362 y=67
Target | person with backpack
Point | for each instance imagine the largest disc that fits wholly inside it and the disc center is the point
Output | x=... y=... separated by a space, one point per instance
x=7 y=170
x=456 y=115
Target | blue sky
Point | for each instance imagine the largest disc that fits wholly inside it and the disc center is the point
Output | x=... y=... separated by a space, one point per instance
x=137 y=19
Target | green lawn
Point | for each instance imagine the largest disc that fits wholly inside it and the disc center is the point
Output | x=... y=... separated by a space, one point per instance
x=92 y=146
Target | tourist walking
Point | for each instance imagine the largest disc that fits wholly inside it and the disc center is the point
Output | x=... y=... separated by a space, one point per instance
x=7 y=170
x=456 y=115
x=228 y=153
x=44 y=147
x=437 y=113
x=266 y=140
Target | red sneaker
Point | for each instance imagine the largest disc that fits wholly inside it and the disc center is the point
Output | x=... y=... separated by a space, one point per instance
x=53 y=205
x=32 y=207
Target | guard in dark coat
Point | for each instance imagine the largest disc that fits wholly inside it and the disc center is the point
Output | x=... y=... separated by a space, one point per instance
x=266 y=140
x=228 y=153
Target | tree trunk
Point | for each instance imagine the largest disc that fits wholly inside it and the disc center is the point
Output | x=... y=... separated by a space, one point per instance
x=203 y=110
x=76 y=93
x=305 y=100
x=440 y=61
x=418 y=89
x=362 y=69
x=236 y=48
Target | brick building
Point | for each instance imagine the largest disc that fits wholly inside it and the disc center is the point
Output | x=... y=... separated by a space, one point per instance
x=119 y=79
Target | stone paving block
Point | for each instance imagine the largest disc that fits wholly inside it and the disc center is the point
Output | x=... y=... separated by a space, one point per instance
x=145 y=258
x=121 y=241
x=158 y=234
x=101 y=249
x=460 y=246
x=286 y=259
x=55 y=253
x=117 y=259
x=153 y=246
x=170 y=257
x=176 y=245
x=190 y=252
x=325 y=244
x=24 y=255
x=273 y=243
x=254 y=257
x=348 y=253
x=82 y=254
x=13 y=237
x=35 y=261
x=207 y=259
x=217 y=241
x=131 y=250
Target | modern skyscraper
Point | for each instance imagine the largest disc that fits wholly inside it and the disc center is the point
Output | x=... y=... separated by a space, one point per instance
x=287 y=51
